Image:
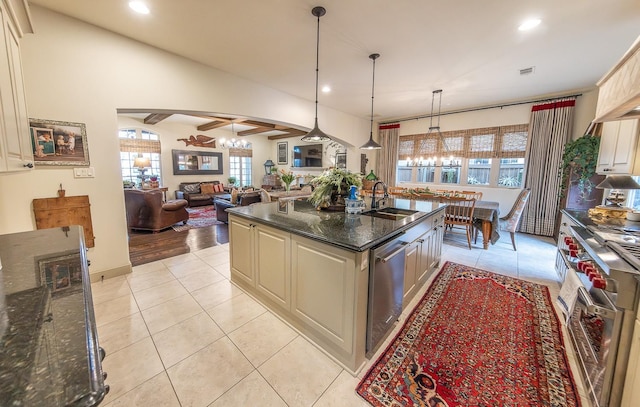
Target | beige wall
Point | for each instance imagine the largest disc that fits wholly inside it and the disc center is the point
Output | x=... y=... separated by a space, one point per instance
x=79 y=73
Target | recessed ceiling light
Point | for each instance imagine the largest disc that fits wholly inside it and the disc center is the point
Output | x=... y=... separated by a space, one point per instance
x=529 y=24
x=139 y=7
x=326 y=89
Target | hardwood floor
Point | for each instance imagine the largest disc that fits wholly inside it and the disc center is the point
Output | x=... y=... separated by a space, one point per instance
x=145 y=247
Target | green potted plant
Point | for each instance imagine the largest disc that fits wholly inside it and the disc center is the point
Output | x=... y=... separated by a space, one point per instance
x=232 y=181
x=330 y=185
x=578 y=165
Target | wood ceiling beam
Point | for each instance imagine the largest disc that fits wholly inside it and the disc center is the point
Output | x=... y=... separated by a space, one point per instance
x=293 y=133
x=213 y=125
x=155 y=118
x=257 y=130
x=259 y=124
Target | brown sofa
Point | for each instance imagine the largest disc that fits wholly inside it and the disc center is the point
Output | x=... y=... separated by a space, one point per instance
x=146 y=210
x=244 y=199
x=200 y=193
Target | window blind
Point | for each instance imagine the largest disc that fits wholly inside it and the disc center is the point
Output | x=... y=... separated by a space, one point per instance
x=488 y=142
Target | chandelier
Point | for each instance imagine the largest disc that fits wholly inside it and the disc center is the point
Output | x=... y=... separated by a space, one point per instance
x=234 y=143
x=431 y=126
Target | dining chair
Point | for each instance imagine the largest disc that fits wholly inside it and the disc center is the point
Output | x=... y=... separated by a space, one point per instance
x=471 y=194
x=395 y=190
x=509 y=222
x=459 y=212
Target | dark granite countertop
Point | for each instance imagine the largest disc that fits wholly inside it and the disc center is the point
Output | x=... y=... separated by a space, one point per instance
x=352 y=232
x=48 y=343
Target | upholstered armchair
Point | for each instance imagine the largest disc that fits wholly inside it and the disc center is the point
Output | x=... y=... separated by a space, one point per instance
x=509 y=223
x=146 y=210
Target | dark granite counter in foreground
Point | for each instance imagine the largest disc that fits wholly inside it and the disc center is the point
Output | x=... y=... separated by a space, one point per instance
x=49 y=353
x=348 y=231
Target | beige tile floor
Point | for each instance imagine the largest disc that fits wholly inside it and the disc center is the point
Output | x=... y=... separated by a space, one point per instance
x=178 y=333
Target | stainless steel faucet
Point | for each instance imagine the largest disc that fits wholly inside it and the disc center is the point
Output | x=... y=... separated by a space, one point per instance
x=374 y=203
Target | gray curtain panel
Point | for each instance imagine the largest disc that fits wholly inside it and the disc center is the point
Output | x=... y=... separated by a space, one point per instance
x=388 y=155
x=550 y=129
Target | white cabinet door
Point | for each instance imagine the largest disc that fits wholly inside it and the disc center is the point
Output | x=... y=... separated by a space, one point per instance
x=323 y=297
x=241 y=250
x=411 y=268
x=15 y=139
x=619 y=148
x=273 y=265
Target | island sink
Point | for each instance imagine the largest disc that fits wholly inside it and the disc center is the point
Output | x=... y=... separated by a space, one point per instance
x=390 y=213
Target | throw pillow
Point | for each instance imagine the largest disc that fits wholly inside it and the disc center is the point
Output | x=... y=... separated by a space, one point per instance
x=218 y=188
x=234 y=196
x=192 y=188
x=207 y=188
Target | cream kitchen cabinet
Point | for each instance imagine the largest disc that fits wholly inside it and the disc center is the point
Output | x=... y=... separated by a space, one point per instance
x=319 y=289
x=15 y=139
x=631 y=393
x=619 y=148
x=260 y=256
x=422 y=257
x=412 y=259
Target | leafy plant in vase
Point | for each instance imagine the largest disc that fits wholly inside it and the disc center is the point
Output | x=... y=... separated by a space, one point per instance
x=287 y=177
x=579 y=162
x=332 y=186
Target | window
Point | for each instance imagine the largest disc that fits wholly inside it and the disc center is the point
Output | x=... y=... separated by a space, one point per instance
x=450 y=173
x=139 y=143
x=486 y=156
x=479 y=171
x=511 y=172
x=240 y=166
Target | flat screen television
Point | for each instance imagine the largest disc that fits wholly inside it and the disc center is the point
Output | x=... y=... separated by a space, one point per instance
x=308 y=155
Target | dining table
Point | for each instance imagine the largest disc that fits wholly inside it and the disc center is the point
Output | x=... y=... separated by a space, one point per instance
x=485 y=216
x=486 y=219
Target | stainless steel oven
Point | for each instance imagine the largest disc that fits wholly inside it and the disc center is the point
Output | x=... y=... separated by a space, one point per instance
x=602 y=315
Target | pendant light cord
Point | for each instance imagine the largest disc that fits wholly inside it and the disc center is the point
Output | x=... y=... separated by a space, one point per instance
x=317 y=61
x=373 y=84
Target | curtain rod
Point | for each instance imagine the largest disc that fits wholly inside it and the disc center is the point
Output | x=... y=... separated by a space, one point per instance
x=473 y=109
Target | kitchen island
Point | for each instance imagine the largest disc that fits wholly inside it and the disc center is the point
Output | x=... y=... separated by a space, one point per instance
x=313 y=268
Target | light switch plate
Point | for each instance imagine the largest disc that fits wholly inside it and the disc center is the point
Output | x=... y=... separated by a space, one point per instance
x=84 y=172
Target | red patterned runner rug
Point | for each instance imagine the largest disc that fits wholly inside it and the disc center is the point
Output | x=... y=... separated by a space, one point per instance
x=475 y=339
x=199 y=217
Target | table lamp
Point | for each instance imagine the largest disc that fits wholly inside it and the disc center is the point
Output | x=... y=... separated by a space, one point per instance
x=142 y=163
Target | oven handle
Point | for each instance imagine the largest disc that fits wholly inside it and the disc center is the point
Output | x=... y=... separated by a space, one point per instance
x=594 y=308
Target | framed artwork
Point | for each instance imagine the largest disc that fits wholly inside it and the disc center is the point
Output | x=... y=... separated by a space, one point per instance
x=61 y=274
x=196 y=162
x=283 y=153
x=341 y=160
x=59 y=143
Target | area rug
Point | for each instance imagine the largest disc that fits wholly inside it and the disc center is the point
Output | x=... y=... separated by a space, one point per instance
x=475 y=339
x=199 y=217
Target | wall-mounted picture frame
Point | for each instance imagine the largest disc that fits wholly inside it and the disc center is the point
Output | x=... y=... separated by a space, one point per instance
x=187 y=162
x=59 y=143
x=62 y=274
x=341 y=160
x=283 y=153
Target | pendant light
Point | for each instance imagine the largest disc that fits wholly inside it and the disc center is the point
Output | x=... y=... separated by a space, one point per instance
x=372 y=145
x=431 y=126
x=316 y=134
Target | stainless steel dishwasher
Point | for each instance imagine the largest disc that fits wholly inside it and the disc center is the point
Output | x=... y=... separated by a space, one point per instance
x=386 y=285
